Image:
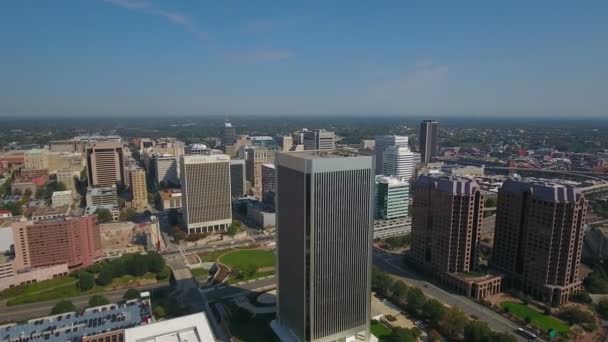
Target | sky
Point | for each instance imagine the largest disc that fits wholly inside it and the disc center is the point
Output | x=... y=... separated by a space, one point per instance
x=228 y=57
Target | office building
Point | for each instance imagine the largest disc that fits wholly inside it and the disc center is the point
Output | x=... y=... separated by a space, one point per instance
x=238 y=184
x=319 y=139
x=139 y=189
x=324 y=235
x=206 y=192
x=170 y=199
x=392 y=198
x=166 y=170
x=61 y=198
x=256 y=157
x=446 y=230
x=392 y=227
x=74 y=241
x=538 y=238
x=102 y=196
x=198 y=149
x=228 y=134
x=399 y=162
x=428 y=140
x=36 y=159
x=263 y=141
x=285 y=143
x=268 y=184
x=105 y=164
x=381 y=143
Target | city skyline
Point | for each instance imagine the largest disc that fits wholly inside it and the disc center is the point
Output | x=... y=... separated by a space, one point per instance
x=150 y=57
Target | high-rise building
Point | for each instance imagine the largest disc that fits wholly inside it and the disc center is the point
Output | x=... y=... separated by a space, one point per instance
x=285 y=143
x=206 y=197
x=139 y=190
x=36 y=159
x=428 y=140
x=166 y=170
x=319 y=139
x=539 y=237
x=392 y=197
x=256 y=157
x=380 y=145
x=75 y=241
x=238 y=186
x=446 y=230
x=105 y=164
x=228 y=134
x=268 y=183
x=399 y=161
x=324 y=235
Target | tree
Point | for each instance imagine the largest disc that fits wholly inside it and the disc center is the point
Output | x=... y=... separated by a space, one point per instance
x=602 y=308
x=573 y=315
x=131 y=294
x=582 y=297
x=103 y=215
x=63 y=306
x=164 y=274
x=86 y=281
x=106 y=275
x=159 y=311
x=98 y=300
x=128 y=214
x=381 y=282
x=234 y=229
x=453 y=322
x=433 y=336
x=156 y=263
x=403 y=335
x=476 y=331
x=433 y=310
x=399 y=291
x=415 y=300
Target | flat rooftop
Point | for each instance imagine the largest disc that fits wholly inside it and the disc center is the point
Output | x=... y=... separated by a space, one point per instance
x=309 y=155
x=72 y=326
x=190 y=328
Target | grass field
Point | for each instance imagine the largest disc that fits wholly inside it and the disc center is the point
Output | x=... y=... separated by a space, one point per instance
x=380 y=330
x=37 y=287
x=538 y=319
x=200 y=272
x=258 y=257
x=211 y=256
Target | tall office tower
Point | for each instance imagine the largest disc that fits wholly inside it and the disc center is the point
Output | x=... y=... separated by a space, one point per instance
x=428 y=140
x=206 y=198
x=392 y=197
x=139 y=190
x=105 y=164
x=324 y=235
x=166 y=170
x=399 y=161
x=446 y=223
x=238 y=186
x=285 y=143
x=269 y=187
x=256 y=157
x=539 y=237
x=228 y=134
x=75 y=241
x=319 y=139
x=36 y=159
x=380 y=145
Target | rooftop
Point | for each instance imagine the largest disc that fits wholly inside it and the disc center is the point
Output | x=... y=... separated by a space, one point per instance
x=309 y=155
x=167 y=194
x=190 y=328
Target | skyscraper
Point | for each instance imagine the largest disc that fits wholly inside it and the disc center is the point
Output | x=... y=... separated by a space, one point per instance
x=105 y=163
x=206 y=197
x=319 y=139
x=166 y=170
x=324 y=235
x=238 y=186
x=399 y=161
x=228 y=134
x=392 y=197
x=285 y=143
x=428 y=140
x=381 y=143
x=539 y=237
x=268 y=183
x=139 y=190
x=256 y=157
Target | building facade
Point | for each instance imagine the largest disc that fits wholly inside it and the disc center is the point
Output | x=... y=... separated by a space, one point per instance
x=381 y=142
x=105 y=163
x=36 y=159
x=539 y=237
x=166 y=170
x=285 y=143
x=139 y=189
x=268 y=183
x=228 y=134
x=238 y=185
x=256 y=157
x=206 y=192
x=428 y=140
x=319 y=139
x=392 y=197
x=101 y=196
x=323 y=245
x=61 y=198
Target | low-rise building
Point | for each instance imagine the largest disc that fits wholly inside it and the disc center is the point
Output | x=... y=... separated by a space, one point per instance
x=49 y=213
x=170 y=199
x=103 y=196
x=113 y=209
x=260 y=215
x=191 y=328
x=61 y=198
x=392 y=227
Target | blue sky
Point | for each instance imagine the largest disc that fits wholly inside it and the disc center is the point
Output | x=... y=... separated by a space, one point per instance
x=190 y=57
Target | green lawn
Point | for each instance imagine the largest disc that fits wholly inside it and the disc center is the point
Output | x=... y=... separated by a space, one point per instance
x=256 y=275
x=37 y=287
x=380 y=330
x=200 y=272
x=538 y=319
x=258 y=257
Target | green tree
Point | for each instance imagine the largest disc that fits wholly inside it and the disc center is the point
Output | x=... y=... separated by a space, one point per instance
x=131 y=294
x=433 y=310
x=156 y=263
x=399 y=291
x=86 y=281
x=98 y=300
x=159 y=311
x=381 y=282
x=128 y=214
x=63 y=306
x=583 y=297
x=164 y=274
x=234 y=229
x=106 y=275
x=415 y=300
x=602 y=308
x=103 y=215
x=403 y=335
x=573 y=315
x=453 y=322
x=476 y=331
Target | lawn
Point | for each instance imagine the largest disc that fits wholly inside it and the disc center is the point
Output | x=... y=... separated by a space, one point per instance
x=37 y=287
x=538 y=319
x=211 y=256
x=256 y=275
x=243 y=257
x=200 y=272
x=380 y=330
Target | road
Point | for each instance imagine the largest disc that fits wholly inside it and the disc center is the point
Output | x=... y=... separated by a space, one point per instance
x=24 y=312
x=234 y=290
x=391 y=263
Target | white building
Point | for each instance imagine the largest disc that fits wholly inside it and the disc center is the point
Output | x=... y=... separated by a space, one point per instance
x=166 y=169
x=102 y=196
x=205 y=182
x=190 y=328
x=381 y=143
x=392 y=197
x=399 y=161
x=61 y=198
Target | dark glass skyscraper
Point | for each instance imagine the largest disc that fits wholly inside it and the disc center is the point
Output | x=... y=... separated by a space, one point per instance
x=428 y=140
x=324 y=240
